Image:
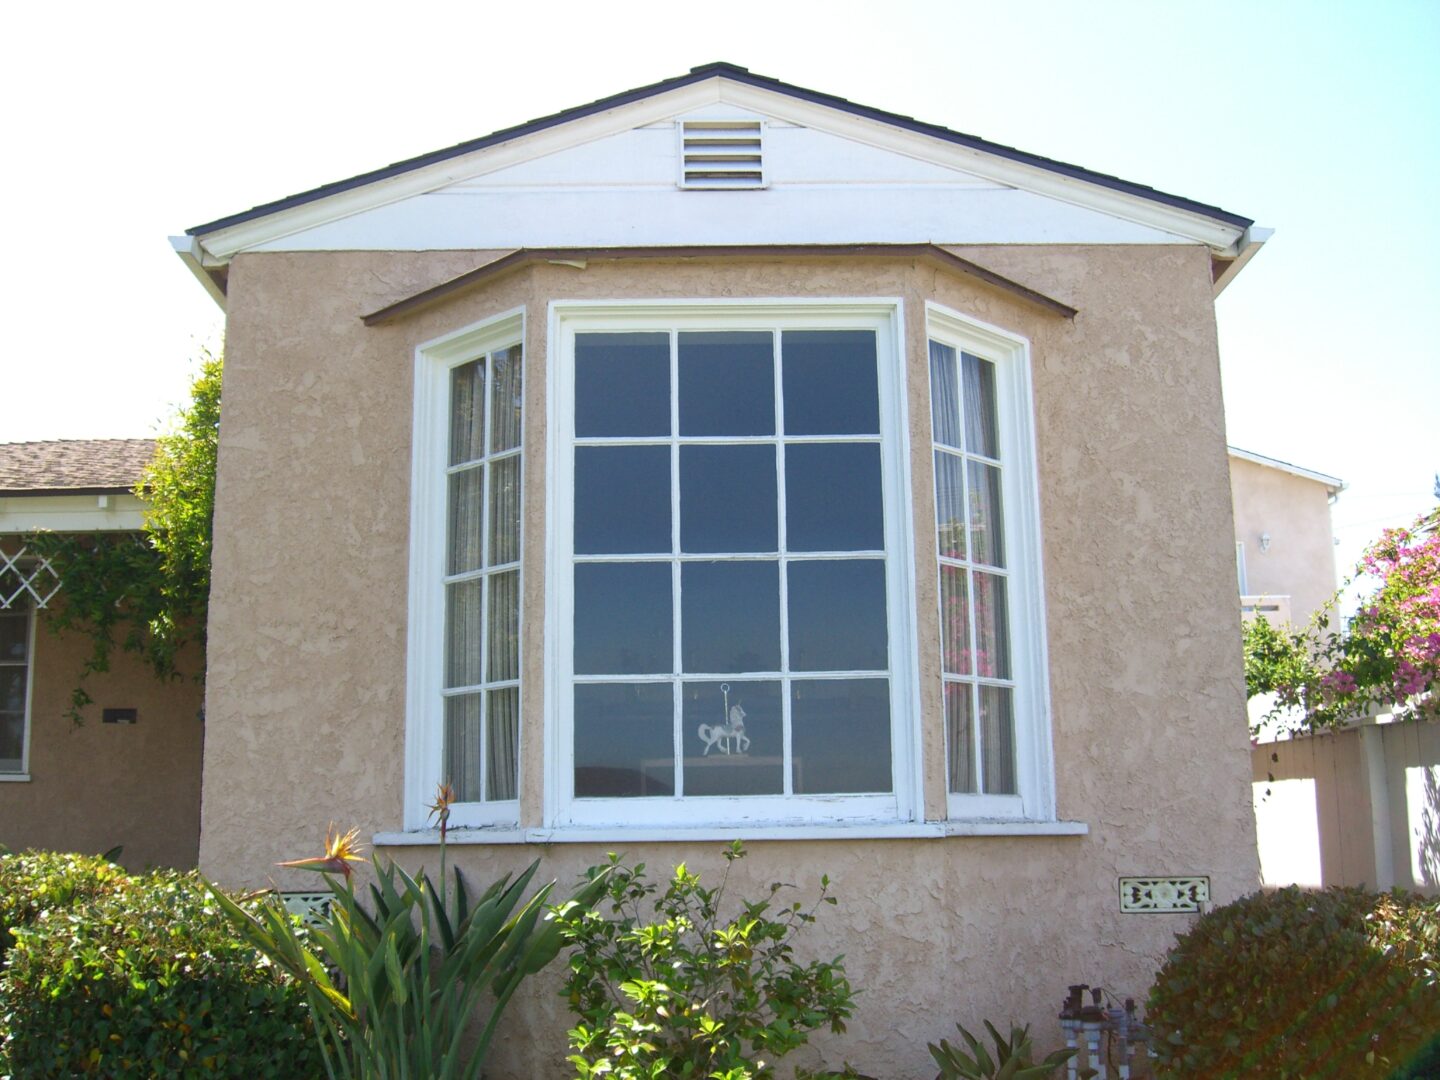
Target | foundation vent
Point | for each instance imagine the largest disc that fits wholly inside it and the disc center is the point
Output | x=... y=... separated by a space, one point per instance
x=722 y=154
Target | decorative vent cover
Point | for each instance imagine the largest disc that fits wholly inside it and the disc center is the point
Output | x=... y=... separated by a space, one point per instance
x=722 y=154
x=1163 y=894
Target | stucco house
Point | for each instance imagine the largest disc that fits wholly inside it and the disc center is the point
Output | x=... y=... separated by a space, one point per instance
x=728 y=459
x=128 y=775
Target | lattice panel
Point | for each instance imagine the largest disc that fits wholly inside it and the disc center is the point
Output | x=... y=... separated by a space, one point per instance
x=1163 y=894
x=312 y=907
x=26 y=579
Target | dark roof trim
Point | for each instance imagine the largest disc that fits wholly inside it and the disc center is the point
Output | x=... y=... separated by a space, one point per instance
x=524 y=257
x=15 y=493
x=737 y=74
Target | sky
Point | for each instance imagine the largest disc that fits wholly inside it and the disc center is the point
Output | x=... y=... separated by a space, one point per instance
x=1321 y=120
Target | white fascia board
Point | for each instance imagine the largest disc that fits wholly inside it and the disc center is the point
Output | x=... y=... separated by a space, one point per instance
x=193 y=256
x=1249 y=246
x=1223 y=238
x=121 y=512
x=1332 y=483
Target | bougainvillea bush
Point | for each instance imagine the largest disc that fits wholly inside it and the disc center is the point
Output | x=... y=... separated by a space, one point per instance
x=1386 y=660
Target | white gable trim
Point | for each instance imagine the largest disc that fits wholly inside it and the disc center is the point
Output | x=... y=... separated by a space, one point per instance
x=663 y=106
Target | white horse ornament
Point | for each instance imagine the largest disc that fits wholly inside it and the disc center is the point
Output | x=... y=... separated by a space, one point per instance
x=730 y=736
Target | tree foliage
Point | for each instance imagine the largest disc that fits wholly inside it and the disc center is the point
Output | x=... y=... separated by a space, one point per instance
x=1386 y=659
x=147 y=592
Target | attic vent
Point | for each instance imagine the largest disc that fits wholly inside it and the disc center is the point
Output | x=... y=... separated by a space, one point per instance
x=721 y=154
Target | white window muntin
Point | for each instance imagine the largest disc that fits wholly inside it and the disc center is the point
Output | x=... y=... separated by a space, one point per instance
x=17 y=655
x=429 y=501
x=883 y=317
x=1034 y=766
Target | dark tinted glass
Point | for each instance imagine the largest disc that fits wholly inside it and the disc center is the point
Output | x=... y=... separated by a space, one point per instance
x=837 y=615
x=622 y=500
x=624 y=740
x=734 y=742
x=730 y=616
x=622 y=384
x=840 y=735
x=622 y=618
x=832 y=497
x=727 y=498
x=727 y=384
x=830 y=382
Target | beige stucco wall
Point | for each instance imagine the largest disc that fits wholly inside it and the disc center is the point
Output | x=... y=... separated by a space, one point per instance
x=1296 y=513
x=97 y=785
x=308 y=619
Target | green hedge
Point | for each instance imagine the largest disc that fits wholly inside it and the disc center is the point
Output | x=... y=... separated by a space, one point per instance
x=1299 y=984
x=146 y=979
x=37 y=881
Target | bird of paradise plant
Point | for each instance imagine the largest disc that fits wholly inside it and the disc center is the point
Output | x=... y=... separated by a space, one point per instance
x=393 y=982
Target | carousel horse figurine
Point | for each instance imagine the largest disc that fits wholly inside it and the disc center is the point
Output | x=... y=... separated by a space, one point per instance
x=719 y=736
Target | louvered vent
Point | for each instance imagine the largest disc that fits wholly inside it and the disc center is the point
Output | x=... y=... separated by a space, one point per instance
x=721 y=154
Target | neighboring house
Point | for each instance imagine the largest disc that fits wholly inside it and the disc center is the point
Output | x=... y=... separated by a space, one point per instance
x=551 y=460
x=1284 y=541
x=129 y=775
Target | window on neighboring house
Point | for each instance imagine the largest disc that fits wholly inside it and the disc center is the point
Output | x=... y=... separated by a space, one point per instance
x=16 y=642
x=731 y=616
x=465 y=634
x=991 y=619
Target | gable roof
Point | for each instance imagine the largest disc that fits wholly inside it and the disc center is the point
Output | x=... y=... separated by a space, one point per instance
x=743 y=76
x=1333 y=484
x=73 y=466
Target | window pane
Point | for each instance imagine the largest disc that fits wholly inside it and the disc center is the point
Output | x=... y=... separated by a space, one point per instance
x=622 y=499
x=959 y=738
x=944 y=396
x=622 y=619
x=955 y=620
x=624 y=740
x=840 y=735
x=507 y=391
x=13 y=630
x=467 y=412
x=950 y=504
x=734 y=742
x=622 y=384
x=462 y=746
x=829 y=380
x=980 y=428
x=12 y=741
x=727 y=499
x=832 y=497
x=837 y=615
x=12 y=690
x=992 y=627
x=730 y=616
x=467 y=507
x=997 y=735
x=987 y=521
x=727 y=384
x=504 y=620
x=505 y=511
x=462 y=633
x=503 y=752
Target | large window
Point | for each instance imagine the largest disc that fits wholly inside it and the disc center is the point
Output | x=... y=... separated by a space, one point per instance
x=15 y=645
x=728 y=587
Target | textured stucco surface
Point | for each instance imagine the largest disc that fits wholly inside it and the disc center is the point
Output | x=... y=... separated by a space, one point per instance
x=1296 y=513
x=308 y=618
x=97 y=785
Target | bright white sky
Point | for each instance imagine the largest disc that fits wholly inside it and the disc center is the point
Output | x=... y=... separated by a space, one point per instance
x=130 y=122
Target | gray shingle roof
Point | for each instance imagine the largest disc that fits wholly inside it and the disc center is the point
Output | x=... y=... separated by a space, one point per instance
x=77 y=466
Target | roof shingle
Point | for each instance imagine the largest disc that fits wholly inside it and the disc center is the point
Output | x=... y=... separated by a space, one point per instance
x=73 y=466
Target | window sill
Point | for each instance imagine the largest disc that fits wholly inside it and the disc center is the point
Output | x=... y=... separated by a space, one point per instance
x=15 y=777
x=674 y=834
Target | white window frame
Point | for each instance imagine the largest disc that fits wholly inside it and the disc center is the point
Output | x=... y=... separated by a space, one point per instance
x=29 y=665
x=1019 y=492
x=883 y=315
x=425 y=639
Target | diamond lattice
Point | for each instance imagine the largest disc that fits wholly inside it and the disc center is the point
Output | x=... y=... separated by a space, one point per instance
x=24 y=575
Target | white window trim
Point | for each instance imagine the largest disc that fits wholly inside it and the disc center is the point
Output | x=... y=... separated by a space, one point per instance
x=425 y=638
x=1020 y=492
x=562 y=812
x=26 y=722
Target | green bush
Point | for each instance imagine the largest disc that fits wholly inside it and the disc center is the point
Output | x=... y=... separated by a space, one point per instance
x=1297 y=984
x=37 y=881
x=147 y=979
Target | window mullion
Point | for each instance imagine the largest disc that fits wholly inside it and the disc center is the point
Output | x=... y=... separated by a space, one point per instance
x=782 y=541
x=676 y=599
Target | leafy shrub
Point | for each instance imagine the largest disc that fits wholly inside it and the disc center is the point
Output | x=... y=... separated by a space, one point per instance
x=1295 y=984
x=1013 y=1060
x=33 y=882
x=147 y=979
x=687 y=995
